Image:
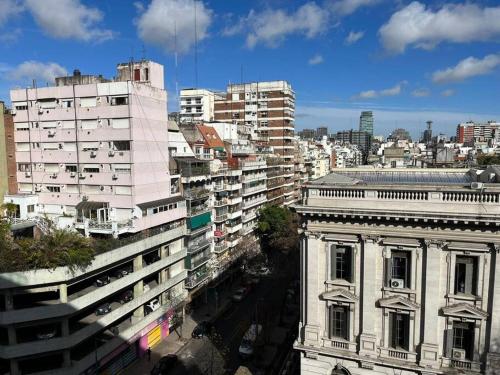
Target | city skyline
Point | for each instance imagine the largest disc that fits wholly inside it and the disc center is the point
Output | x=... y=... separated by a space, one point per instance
x=342 y=57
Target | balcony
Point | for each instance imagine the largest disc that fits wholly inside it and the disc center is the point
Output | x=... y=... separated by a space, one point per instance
x=339 y=344
x=242 y=149
x=254 y=189
x=250 y=165
x=196 y=193
x=254 y=177
x=197 y=278
x=195 y=246
x=253 y=202
x=220 y=247
x=199 y=260
x=220 y=217
x=196 y=210
x=398 y=354
x=220 y=203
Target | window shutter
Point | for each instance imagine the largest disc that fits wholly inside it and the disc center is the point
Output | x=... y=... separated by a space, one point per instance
x=407 y=331
x=449 y=342
x=388 y=271
x=347 y=313
x=333 y=262
x=392 y=336
x=469 y=272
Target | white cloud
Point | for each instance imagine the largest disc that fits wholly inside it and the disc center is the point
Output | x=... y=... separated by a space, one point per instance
x=28 y=70
x=421 y=27
x=353 y=37
x=372 y=94
x=271 y=27
x=467 y=68
x=448 y=92
x=346 y=7
x=69 y=19
x=316 y=59
x=164 y=19
x=420 y=93
x=9 y=9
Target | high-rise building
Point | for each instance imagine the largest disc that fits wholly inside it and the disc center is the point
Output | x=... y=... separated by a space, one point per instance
x=366 y=122
x=95 y=149
x=197 y=105
x=470 y=132
x=360 y=138
x=399 y=272
x=428 y=133
x=265 y=113
x=321 y=132
x=8 y=167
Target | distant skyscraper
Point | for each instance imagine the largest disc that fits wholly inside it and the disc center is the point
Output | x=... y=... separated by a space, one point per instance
x=428 y=133
x=321 y=131
x=366 y=122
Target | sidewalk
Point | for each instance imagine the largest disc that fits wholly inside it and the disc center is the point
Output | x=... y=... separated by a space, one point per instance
x=175 y=342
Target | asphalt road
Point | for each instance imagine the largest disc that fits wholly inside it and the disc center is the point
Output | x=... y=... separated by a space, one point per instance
x=219 y=355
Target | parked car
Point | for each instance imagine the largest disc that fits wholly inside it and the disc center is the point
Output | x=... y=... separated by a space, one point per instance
x=164 y=364
x=239 y=294
x=102 y=280
x=120 y=272
x=202 y=329
x=103 y=309
x=46 y=333
x=152 y=306
x=126 y=296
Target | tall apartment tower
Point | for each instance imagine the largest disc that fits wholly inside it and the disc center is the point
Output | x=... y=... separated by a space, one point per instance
x=8 y=167
x=366 y=122
x=265 y=112
x=97 y=149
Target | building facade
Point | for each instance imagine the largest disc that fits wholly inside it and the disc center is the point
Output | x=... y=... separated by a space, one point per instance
x=398 y=272
x=196 y=105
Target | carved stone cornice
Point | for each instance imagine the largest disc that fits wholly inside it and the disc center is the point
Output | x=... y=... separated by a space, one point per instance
x=312 y=235
x=441 y=244
x=496 y=247
x=373 y=238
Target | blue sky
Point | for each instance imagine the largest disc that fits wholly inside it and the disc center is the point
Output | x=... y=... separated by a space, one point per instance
x=407 y=61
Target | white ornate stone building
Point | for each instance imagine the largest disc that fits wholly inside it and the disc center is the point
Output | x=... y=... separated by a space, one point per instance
x=398 y=272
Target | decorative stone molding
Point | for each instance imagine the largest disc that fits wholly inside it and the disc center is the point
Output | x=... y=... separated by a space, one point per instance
x=437 y=243
x=398 y=303
x=373 y=238
x=496 y=247
x=464 y=310
x=340 y=295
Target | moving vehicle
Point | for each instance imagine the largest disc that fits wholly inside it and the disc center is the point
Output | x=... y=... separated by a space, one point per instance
x=251 y=338
x=103 y=309
x=164 y=364
x=102 y=280
x=202 y=329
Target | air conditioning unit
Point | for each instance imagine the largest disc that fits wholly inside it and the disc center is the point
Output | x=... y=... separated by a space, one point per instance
x=27 y=174
x=397 y=283
x=93 y=154
x=59 y=123
x=101 y=188
x=81 y=176
x=40 y=111
x=458 y=354
x=51 y=133
x=13 y=112
x=72 y=174
x=38 y=188
x=85 y=198
x=111 y=153
x=476 y=185
x=114 y=177
x=54 y=175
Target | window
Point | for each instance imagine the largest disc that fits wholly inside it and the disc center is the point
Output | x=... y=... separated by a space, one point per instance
x=21 y=167
x=121 y=145
x=462 y=342
x=119 y=100
x=67 y=103
x=398 y=269
x=31 y=208
x=466 y=275
x=88 y=102
x=399 y=330
x=339 y=322
x=54 y=189
x=71 y=168
x=341 y=263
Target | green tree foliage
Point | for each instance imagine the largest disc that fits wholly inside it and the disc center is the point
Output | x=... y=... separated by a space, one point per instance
x=60 y=247
x=487 y=159
x=277 y=228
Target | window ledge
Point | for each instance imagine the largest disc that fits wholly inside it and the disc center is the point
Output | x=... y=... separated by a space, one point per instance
x=465 y=297
x=339 y=344
x=398 y=354
x=399 y=290
x=340 y=282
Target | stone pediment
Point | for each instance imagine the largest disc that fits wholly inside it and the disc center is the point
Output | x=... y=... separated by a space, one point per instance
x=398 y=303
x=340 y=295
x=464 y=310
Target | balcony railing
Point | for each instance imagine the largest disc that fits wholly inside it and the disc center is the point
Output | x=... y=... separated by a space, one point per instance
x=195 y=246
x=221 y=247
x=253 y=189
x=195 y=210
x=221 y=217
x=191 y=264
x=220 y=203
x=196 y=193
x=197 y=278
x=252 y=202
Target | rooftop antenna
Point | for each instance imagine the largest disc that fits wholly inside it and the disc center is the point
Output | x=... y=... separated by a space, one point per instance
x=175 y=61
x=195 y=46
x=143 y=50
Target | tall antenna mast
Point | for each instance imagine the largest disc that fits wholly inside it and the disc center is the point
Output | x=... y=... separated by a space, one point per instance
x=195 y=46
x=175 y=57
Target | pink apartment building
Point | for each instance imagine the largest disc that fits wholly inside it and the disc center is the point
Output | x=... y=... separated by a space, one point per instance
x=96 y=150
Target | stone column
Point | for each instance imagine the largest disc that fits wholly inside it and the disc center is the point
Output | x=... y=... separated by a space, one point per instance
x=429 y=350
x=312 y=325
x=368 y=338
x=493 y=355
x=14 y=367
